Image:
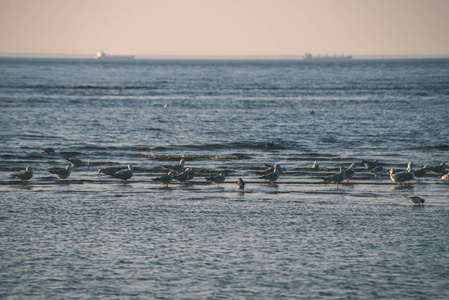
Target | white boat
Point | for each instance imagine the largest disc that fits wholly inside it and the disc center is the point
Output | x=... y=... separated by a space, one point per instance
x=309 y=56
x=103 y=56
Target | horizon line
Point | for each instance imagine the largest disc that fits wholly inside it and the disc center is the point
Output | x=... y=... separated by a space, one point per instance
x=224 y=56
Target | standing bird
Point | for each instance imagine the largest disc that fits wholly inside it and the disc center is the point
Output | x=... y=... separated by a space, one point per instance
x=370 y=164
x=76 y=162
x=272 y=176
x=110 y=170
x=61 y=173
x=182 y=177
x=349 y=172
x=401 y=177
x=415 y=200
x=441 y=169
x=124 y=174
x=165 y=180
x=337 y=178
x=240 y=185
x=177 y=168
x=421 y=172
x=191 y=173
x=377 y=171
x=220 y=178
x=23 y=175
x=315 y=165
x=270 y=169
x=269 y=145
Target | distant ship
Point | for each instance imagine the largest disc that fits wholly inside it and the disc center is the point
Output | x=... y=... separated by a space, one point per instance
x=103 y=56
x=309 y=56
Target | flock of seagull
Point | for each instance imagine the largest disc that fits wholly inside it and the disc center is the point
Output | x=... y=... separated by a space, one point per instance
x=182 y=174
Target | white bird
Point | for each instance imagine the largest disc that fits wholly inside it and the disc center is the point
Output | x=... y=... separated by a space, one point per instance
x=220 y=178
x=409 y=167
x=377 y=171
x=240 y=184
x=23 y=175
x=401 y=177
x=61 y=173
x=415 y=200
x=165 y=180
x=177 y=168
x=315 y=165
x=349 y=172
x=337 y=178
x=272 y=176
x=124 y=174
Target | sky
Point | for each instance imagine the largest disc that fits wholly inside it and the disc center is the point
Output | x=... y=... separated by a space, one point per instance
x=225 y=27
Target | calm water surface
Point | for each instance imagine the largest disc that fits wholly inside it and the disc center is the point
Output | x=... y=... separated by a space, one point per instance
x=93 y=236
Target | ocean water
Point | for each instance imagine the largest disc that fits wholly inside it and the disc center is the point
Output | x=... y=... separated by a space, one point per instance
x=93 y=236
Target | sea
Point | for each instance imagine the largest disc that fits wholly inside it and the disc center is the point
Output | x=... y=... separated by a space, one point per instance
x=93 y=236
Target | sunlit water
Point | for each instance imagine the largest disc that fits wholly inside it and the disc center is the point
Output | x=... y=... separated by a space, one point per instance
x=93 y=236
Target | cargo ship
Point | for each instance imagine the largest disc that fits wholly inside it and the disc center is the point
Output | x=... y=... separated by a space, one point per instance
x=103 y=56
x=309 y=56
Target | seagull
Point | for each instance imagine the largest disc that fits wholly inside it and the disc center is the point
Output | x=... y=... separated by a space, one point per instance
x=220 y=178
x=270 y=169
x=165 y=180
x=421 y=172
x=75 y=162
x=124 y=174
x=370 y=164
x=315 y=165
x=177 y=168
x=377 y=171
x=110 y=170
x=269 y=145
x=61 y=173
x=337 y=178
x=409 y=167
x=240 y=184
x=272 y=176
x=438 y=169
x=445 y=177
x=415 y=200
x=401 y=177
x=191 y=172
x=182 y=177
x=349 y=172
x=23 y=175
x=49 y=150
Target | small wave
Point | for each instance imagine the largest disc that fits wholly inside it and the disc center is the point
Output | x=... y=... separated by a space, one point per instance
x=107 y=87
x=442 y=147
x=234 y=146
x=432 y=147
x=175 y=157
x=325 y=157
x=142 y=148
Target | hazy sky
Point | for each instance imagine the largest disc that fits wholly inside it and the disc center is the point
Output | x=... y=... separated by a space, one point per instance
x=225 y=27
